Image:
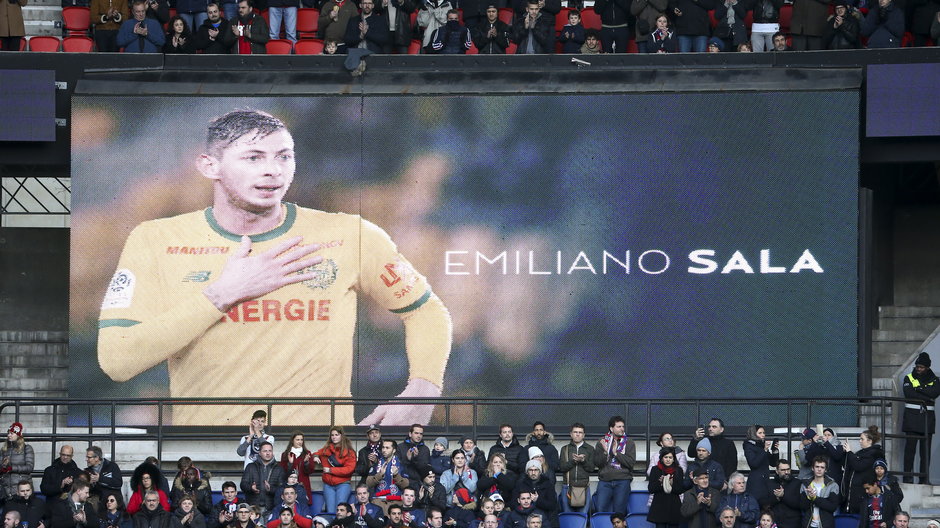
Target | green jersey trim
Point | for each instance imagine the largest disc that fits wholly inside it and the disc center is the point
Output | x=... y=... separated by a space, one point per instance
x=415 y=305
x=124 y=323
x=289 y=217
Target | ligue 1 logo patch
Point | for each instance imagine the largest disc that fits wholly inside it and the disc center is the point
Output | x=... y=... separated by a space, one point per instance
x=324 y=274
x=120 y=290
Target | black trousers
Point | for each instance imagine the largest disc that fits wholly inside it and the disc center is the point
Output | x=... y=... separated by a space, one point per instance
x=910 y=447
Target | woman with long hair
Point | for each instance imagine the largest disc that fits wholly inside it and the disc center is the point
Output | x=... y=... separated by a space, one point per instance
x=497 y=478
x=665 y=487
x=112 y=513
x=760 y=455
x=860 y=465
x=16 y=461
x=338 y=460
x=145 y=478
x=179 y=38
x=298 y=459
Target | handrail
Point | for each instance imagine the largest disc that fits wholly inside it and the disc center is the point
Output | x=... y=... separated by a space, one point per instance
x=798 y=413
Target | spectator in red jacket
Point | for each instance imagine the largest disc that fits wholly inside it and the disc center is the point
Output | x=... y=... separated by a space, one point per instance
x=338 y=460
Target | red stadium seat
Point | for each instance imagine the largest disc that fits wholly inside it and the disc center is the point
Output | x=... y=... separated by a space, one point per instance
x=414 y=48
x=561 y=19
x=590 y=19
x=786 y=14
x=279 y=47
x=711 y=18
x=76 y=19
x=632 y=47
x=473 y=50
x=506 y=15
x=308 y=21
x=22 y=44
x=511 y=49
x=414 y=18
x=907 y=40
x=77 y=45
x=460 y=15
x=308 y=47
x=749 y=20
x=44 y=44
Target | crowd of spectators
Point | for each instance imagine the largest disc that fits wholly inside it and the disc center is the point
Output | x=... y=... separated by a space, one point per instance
x=524 y=27
x=516 y=484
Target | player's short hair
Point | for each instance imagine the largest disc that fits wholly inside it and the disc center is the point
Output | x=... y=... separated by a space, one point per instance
x=617 y=515
x=453 y=12
x=577 y=425
x=228 y=484
x=532 y=2
x=413 y=426
x=96 y=450
x=25 y=482
x=229 y=128
x=821 y=460
x=260 y=413
x=614 y=419
x=395 y=506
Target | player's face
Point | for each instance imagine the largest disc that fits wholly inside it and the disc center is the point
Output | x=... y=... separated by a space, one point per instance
x=286 y=517
x=254 y=173
x=9 y=520
x=243 y=9
x=492 y=14
x=229 y=493
x=140 y=12
x=408 y=497
x=213 y=13
x=662 y=23
x=532 y=10
x=417 y=434
x=395 y=515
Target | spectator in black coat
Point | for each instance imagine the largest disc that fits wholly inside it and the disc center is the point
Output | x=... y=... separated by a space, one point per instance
x=841 y=28
x=368 y=30
x=209 y=36
x=884 y=25
x=693 y=27
x=179 y=39
x=615 y=27
x=534 y=33
x=509 y=446
x=58 y=477
x=75 y=511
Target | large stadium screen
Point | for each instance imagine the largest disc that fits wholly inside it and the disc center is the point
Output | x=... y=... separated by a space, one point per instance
x=649 y=246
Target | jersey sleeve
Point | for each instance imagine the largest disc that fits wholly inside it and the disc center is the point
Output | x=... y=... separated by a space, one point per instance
x=140 y=326
x=386 y=276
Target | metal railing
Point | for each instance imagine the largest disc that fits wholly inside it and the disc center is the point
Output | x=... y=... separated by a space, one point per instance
x=99 y=421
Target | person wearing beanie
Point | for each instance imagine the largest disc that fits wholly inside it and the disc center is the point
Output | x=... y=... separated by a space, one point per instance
x=544 y=441
x=835 y=452
x=886 y=481
x=16 y=461
x=921 y=389
x=704 y=462
x=476 y=459
x=666 y=486
x=723 y=450
x=543 y=490
x=440 y=456
x=842 y=27
x=807 y=452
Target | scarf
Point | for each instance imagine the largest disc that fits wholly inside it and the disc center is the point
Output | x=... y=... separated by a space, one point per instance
x=387 y=487
x=612 y=451
x=297 y=451
x=660 y=35
x=668 y=470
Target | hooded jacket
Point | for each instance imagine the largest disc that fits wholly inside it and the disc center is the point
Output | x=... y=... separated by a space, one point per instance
x=827 y=501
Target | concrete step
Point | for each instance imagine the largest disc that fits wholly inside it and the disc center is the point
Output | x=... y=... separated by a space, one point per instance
x=905 y=348
x=15 y=336
x=885 y=370
x=13 y=385
x=30 y=372
x=908 y=323
x=900 y=335
x=25 y=394
x=909 y=311
x=33 y=349
x=33 y=361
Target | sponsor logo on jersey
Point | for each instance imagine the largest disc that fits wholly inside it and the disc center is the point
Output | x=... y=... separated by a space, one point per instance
x=196 y=250
x=120 y=290
x=197 y=276
x=324 y=274
x=401 y=276
x=264 y=310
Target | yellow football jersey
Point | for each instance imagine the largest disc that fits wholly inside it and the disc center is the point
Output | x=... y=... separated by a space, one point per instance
x=296 y=341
